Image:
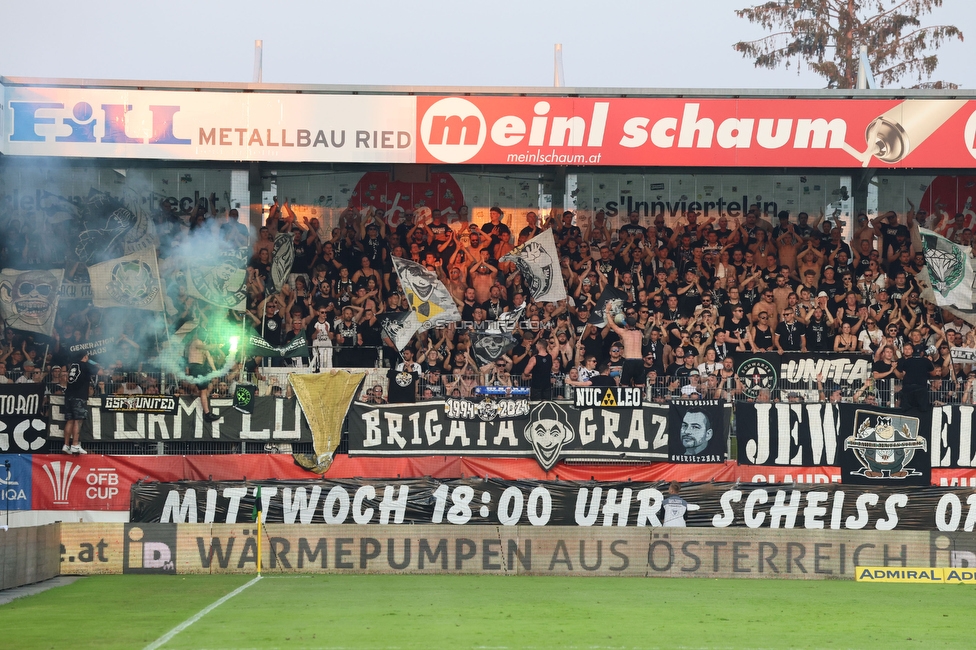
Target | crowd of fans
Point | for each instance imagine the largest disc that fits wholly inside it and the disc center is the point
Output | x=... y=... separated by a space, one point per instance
x=697 y=289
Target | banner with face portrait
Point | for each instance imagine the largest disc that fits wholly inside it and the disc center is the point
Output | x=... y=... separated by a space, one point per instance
x=29 y=299
x=697 y=432
x=220 y=279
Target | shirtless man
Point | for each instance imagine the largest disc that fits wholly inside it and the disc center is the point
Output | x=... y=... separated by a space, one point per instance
x=811 y=258
x=482 y=276
x=767 y=305
x=788 y=245
x=632 y=372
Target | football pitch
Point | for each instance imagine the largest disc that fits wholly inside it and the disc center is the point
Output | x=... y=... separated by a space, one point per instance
x=402 y=611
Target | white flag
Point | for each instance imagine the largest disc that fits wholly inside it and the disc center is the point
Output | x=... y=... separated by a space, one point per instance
x=950 y=271
x=538 y=262
x=130 y=281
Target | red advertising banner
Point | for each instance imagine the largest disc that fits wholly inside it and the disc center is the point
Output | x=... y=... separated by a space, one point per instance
x=90 y=482
x=62 y=482
x=696 y=132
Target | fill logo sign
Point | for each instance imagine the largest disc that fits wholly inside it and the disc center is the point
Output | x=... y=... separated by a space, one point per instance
x=15 y=482
x=149 y=548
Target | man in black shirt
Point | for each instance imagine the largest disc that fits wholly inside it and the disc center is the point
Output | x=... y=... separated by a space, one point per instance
x=539 y=370
x=76 y=403
x=914 y=371
x=403 y=380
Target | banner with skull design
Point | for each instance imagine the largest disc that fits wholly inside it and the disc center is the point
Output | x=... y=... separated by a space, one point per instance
x=130 y=281
x=431 y=304
x=538 y=262
x=489 y=346
x=29 y=299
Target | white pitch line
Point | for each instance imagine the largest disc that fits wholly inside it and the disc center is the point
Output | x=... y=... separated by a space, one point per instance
x=196 y=617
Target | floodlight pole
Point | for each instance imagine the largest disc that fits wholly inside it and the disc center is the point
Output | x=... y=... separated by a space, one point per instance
x=258 y=61
x=557 y=65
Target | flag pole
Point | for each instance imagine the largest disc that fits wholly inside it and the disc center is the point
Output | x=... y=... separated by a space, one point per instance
x=260 y=512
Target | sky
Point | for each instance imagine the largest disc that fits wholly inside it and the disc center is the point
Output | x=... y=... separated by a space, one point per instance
x=612 y=44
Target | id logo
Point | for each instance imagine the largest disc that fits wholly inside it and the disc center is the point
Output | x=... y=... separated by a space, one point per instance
x=453 y=130
x=149 y=548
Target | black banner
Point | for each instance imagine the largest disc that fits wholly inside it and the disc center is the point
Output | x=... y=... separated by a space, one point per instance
x=543 y=503
x=22 y=424
x=622 y=397
x=870 y=444
x=550 y=432
x=698 y=432
x=274 y=419
x=139 y=404
x=799 y=370
x=886 y=446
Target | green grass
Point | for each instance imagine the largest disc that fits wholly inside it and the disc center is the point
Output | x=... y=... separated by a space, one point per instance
x=371 y=611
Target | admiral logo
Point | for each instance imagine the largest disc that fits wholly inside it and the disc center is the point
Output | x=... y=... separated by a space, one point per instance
x=149 y=549
x=49 y=121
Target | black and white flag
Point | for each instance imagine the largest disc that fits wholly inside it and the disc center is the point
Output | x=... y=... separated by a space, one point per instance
x=489 y=346
x=538 y=262
x=282 y=259
x=394 y=328
x=615 y=298
x=431 y=304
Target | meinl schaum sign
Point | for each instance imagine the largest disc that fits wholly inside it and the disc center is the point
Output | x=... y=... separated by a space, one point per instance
x=194 y=124
x=273 y=419
x=463 y=502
